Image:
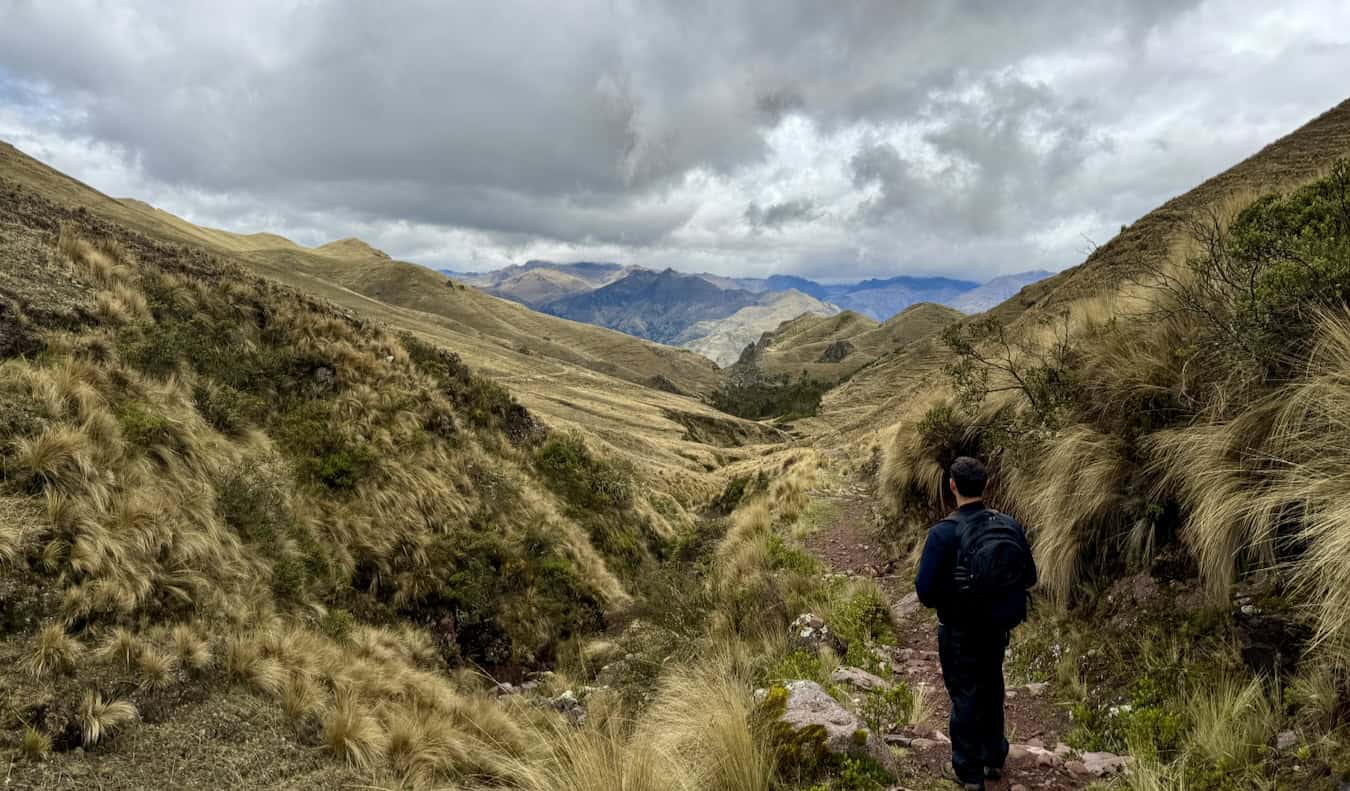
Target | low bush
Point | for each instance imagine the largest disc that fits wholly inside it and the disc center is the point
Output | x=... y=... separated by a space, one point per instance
x=579 y=477
x=781 y=397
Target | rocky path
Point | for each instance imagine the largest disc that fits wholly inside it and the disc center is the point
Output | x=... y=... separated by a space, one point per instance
x=846 y=543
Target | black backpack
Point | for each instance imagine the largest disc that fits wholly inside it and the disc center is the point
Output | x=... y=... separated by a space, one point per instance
x=993 y=566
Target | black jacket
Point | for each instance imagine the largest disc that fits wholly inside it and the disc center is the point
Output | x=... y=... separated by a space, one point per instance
x=936 y=580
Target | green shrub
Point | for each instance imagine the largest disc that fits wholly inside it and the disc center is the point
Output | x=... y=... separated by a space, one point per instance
x=887 y=710
x=784 y=556
x=310 y=433
x=252 y=501
x=337 y=623
x=584 y=481
x=780 y=397
x=483 y=402
x=226 y=409
x=860 y=616
x=144 y=428
x=798 y=664
x=343 y=468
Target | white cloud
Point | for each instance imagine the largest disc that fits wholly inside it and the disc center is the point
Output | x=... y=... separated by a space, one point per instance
x=859 y=140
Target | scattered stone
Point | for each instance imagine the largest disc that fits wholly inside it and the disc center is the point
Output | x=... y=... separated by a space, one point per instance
x=1103 y=764
x=930 y=656
x=1037 y=688
x=897 y=739
x=907 y=606
x=504 y=688
x=1037 y=742
x=570 y=707
x=1017 y=787
x=1286 y=741
x=1063 y=750
x=923 y=744
x=858 y=678
x=1010 y=694
x=1076 y=768
x=809 y=632
x=810 y=706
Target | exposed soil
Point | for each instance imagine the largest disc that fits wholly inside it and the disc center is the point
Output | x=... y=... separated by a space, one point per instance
x=847 y=543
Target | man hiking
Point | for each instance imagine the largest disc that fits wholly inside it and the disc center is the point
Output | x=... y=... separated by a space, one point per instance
x=975 y=571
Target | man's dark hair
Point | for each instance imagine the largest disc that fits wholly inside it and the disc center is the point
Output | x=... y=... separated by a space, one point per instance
x=970 y=475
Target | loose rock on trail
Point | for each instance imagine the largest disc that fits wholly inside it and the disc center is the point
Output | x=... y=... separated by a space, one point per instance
x=1036 y=725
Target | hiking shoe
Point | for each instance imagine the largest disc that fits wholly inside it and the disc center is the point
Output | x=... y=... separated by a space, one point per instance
x=993 y=773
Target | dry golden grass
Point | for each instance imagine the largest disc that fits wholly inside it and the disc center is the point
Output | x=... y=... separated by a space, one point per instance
x=99 y=717
x=53 y=651
x=1072 y=495
x=191 y=650
x=353 y=732
x=158 y=669
x=121 y=646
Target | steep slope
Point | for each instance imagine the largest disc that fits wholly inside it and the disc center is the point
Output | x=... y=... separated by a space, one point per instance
x=996 y=291
x=620 y=390
x=723 y=340
x=538 y=287
x=658 y=306
x=875 y=396
x=481 y=322
x=833 y=348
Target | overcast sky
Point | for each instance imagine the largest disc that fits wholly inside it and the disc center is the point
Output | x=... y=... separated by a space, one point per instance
x=836 y=140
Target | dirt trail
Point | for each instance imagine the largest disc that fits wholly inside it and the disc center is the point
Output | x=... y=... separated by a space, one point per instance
x=847 y=544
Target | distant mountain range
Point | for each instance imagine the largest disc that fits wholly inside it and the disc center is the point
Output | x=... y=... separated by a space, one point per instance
x=716 y=315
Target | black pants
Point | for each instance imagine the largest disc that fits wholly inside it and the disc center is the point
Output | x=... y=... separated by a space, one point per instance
x=972 y=669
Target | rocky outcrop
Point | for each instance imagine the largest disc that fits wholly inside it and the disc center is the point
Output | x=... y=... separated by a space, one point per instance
x=836 y=352
x=810 y=717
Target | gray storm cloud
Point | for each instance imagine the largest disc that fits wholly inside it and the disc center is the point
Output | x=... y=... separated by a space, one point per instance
x=859 y=138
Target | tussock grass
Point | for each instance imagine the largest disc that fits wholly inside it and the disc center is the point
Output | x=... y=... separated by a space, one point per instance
x=121 y=646
x=1231 y=721
x=99 y=717
x=1074 y=496
x=353 y=732
x=53 y=651
x=34 y=745
x=191 y=650
x=219 y=456
x=157 y=668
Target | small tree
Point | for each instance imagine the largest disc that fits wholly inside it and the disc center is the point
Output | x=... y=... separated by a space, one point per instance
x=992 y=358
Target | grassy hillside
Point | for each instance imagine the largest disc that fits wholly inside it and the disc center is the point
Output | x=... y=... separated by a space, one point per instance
x=888 y=390
x=251 y=538
x=833 y=348
x=1183 y=428
x=787 y=372
x=624 y=392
